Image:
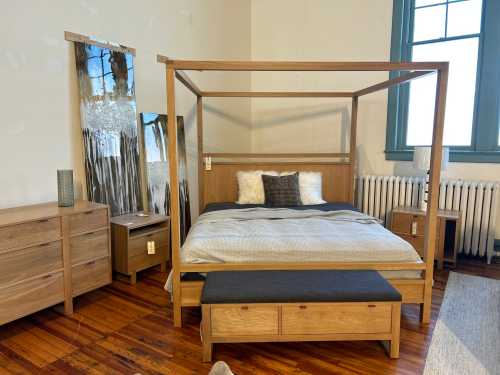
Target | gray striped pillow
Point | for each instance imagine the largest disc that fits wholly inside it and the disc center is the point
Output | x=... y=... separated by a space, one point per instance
x=282 y=190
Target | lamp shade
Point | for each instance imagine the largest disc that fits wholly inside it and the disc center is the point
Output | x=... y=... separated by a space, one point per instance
x=422 y=158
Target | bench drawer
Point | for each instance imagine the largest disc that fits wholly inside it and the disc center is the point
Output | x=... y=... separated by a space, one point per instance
x=87 y=221
x=327 y=318
x=244 y=320
x=89 y=246
x=26 y=234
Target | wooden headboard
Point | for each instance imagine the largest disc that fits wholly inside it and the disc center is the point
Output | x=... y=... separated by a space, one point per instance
x=220 y=183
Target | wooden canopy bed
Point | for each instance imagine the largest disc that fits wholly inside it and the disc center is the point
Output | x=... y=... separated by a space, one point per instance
x=219 y=184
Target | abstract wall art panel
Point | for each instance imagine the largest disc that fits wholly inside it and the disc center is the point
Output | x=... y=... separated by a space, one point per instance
x=155 y=145
x=108 y=120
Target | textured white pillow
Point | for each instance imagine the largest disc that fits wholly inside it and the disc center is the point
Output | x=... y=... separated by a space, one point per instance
x=310 y=187
x=251 y=187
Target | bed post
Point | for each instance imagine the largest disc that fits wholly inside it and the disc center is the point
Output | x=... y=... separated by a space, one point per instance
x=352 y=148
x=174 y=196
x=199 y=127
x=435 y=174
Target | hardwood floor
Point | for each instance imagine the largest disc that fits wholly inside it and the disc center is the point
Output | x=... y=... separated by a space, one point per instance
x=124 y=329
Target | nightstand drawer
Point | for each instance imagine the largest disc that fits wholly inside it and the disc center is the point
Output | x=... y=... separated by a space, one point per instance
x=408 y=224
x=417 y=242
x=139 y=244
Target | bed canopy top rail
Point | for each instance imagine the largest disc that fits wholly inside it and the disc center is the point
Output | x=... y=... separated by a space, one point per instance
x=407 y=72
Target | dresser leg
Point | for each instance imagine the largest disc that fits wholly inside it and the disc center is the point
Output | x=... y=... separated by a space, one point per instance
x=163 y=266
x=68 y=307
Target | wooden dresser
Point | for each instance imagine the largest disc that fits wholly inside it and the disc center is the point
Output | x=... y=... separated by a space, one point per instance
x=50 y=254
x=139 y=242
x=409 y=224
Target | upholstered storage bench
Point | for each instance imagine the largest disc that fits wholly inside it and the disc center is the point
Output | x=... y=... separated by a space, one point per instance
x=319 y=305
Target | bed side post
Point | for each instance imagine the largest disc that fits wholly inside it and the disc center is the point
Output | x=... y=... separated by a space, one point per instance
x=435 y=174
x=201 y=172
x=174 y=196
x=352 y=149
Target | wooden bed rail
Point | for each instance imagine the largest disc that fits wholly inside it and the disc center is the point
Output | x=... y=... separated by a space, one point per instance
x=411 y=70
x=230 y=155
x=211 y=267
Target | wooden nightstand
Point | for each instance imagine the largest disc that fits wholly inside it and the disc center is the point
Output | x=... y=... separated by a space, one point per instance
x=409 y=222
x=139 y=242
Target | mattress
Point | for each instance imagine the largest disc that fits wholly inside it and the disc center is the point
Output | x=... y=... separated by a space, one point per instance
x=331 y=232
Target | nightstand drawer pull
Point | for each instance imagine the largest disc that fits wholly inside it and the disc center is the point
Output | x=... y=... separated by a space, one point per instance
x=414 y=228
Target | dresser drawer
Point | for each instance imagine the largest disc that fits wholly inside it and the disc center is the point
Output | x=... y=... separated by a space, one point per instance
x=326 y=318
x=139 y=244
x=30 y=296
x=89 y=246
x=244 y=320
x=18 y=265
x=88 y=221
x=26 y=234
x=90 y=275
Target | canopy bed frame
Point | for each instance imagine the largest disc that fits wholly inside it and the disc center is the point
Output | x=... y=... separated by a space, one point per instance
x=217 y=182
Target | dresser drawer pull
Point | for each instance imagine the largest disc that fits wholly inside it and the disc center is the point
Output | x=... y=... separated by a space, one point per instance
x=92 y=262
x=43 y=221
x=372 y=305
x=302 y=307
x=47 y=276
x=88 y=213
x=244 y=307
x=44 y=244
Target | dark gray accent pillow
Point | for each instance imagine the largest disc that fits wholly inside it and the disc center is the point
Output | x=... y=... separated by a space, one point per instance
x=282 y=190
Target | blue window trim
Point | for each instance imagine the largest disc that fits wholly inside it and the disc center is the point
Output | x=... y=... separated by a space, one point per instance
x=484 y=143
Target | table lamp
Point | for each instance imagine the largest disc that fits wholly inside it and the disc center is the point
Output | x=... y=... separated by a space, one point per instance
x=422 y=162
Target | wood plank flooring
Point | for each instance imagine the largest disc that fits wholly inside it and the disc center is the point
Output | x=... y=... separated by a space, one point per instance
x=124 y=329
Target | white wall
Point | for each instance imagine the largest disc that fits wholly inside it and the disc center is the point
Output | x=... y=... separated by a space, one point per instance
x=40 y=126
x=337 y=30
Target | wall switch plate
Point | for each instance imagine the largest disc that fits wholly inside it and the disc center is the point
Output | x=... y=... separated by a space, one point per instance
x=151 y=248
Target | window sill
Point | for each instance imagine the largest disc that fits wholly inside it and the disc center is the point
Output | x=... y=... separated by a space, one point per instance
x=455 y=156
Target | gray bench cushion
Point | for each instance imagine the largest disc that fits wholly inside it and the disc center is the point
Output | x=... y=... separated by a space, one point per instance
x=296 y=286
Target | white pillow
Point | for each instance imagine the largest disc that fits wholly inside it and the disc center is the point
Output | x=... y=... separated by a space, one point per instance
x=310 y=186
x=251 y=187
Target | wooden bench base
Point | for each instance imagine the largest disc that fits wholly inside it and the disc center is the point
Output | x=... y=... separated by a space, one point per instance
x=323 y=321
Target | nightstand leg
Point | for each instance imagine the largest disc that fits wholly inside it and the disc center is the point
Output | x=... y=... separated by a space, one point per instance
x=163 y=267
x=133 y=278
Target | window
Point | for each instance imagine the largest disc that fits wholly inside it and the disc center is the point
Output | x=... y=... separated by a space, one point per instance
x=465 y=33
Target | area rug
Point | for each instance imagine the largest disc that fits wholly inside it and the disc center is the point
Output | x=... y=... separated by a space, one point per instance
x=466 y=339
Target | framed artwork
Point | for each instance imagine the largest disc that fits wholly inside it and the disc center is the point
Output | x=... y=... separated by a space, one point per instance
x=109 y=125
x=155 y=146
